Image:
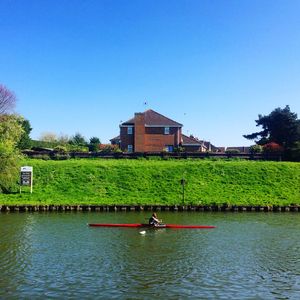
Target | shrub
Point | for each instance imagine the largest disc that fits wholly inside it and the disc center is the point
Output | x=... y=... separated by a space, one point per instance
x=78 y=148
x=10 y=134
x=41 y=156
x=108 y=148
x=60 y=149
x=93 y=147
x=179 y=149
x=60 y=156
x=117 y=150
x=254 y=149
x=232 y=151
x=272 y=148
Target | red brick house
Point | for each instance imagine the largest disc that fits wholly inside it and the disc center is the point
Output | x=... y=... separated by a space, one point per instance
x=192 y=144
x=152 y=132
x=149 y=132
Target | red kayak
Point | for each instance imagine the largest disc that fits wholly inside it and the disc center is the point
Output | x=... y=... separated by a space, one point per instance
x=151 y=226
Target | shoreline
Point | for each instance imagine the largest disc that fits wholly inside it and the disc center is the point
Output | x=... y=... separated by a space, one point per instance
x=140 y=208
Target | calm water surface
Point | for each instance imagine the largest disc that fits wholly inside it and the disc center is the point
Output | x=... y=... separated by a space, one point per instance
x=56 y=255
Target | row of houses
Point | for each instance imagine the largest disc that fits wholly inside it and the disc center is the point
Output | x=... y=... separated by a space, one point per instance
x=150 y=131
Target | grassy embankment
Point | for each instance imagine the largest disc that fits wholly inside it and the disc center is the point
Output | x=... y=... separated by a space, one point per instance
x=127 y=182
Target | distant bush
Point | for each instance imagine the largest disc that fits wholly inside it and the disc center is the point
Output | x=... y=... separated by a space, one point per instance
x=43 y=144
x=94 y=144
x=93 y=147
x=232 y=151
x=254 y=149
x=60 y=156
x=78 y=148
x=108 y=148
x=179 y=149
x=60 y=149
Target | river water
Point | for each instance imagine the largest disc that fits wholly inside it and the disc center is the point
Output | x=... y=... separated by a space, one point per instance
x=56 y=255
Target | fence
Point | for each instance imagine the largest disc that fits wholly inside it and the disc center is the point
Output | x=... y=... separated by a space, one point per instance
x=161 y=155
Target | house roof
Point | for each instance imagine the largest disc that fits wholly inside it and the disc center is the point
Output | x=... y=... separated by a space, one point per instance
x=191 y=140
x=186 y=140
x=211 y=146
x=115 y=138
x=153 y=118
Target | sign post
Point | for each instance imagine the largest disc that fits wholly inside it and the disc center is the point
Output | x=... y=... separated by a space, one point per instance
x=26 y=176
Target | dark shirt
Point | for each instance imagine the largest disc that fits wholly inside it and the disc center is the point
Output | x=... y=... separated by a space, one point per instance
x=152 y=221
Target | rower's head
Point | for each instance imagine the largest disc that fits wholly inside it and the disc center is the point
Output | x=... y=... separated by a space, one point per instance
x=154 y=215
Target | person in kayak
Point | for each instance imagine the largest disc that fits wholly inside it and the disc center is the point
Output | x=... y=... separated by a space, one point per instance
x=154 y=221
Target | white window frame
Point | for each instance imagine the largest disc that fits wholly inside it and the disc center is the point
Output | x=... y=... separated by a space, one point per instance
x=130 y=130
x=130 y=148
x=167 y=130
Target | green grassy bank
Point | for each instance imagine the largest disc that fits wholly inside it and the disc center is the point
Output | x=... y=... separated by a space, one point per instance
x=101 y=182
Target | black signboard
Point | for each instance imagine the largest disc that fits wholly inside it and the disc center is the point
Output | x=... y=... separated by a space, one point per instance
x=26 y=178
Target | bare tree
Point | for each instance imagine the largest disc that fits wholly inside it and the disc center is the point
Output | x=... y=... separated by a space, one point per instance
x=48 y=137
x=63 y=138
x=7 y=100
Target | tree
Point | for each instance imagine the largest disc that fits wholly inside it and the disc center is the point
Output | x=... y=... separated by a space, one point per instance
x=25 y=140
x=94 y=144
x=254 y=149
x=78 y=140
x=63 y=139
x=49 y=137
x=281 y=126
x=7 y=100
x=10 y=133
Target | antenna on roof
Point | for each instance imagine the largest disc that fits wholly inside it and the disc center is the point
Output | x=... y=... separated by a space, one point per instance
x=145 y=103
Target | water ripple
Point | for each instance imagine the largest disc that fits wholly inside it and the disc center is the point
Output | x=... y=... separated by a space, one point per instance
x=248 y=256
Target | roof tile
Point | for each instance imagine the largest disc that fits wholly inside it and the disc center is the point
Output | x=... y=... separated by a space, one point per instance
x=153 y=118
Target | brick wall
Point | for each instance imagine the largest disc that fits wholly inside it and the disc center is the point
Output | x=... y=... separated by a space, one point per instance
x=149 y=139
x=126 y=139
x=139 y=132
x=157 y=142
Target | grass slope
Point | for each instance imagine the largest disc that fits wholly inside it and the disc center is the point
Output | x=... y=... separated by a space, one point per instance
x=143 y=182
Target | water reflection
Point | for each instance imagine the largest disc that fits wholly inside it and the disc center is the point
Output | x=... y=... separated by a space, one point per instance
x=55 y=255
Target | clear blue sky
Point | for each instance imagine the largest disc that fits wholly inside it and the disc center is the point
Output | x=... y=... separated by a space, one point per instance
x=83 y=66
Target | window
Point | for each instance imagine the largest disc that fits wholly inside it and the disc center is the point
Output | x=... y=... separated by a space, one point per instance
x=130 y=148
x=167 y=130
x=129 y=130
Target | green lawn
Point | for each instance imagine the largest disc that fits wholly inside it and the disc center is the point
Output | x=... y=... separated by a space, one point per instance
x=101 y=182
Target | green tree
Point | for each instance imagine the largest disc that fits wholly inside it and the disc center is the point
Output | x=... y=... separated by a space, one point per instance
x=78 y=140
x=94 y=144
x=10 y=133
x=256 y=149
x=281 y=126
x=25 y=140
